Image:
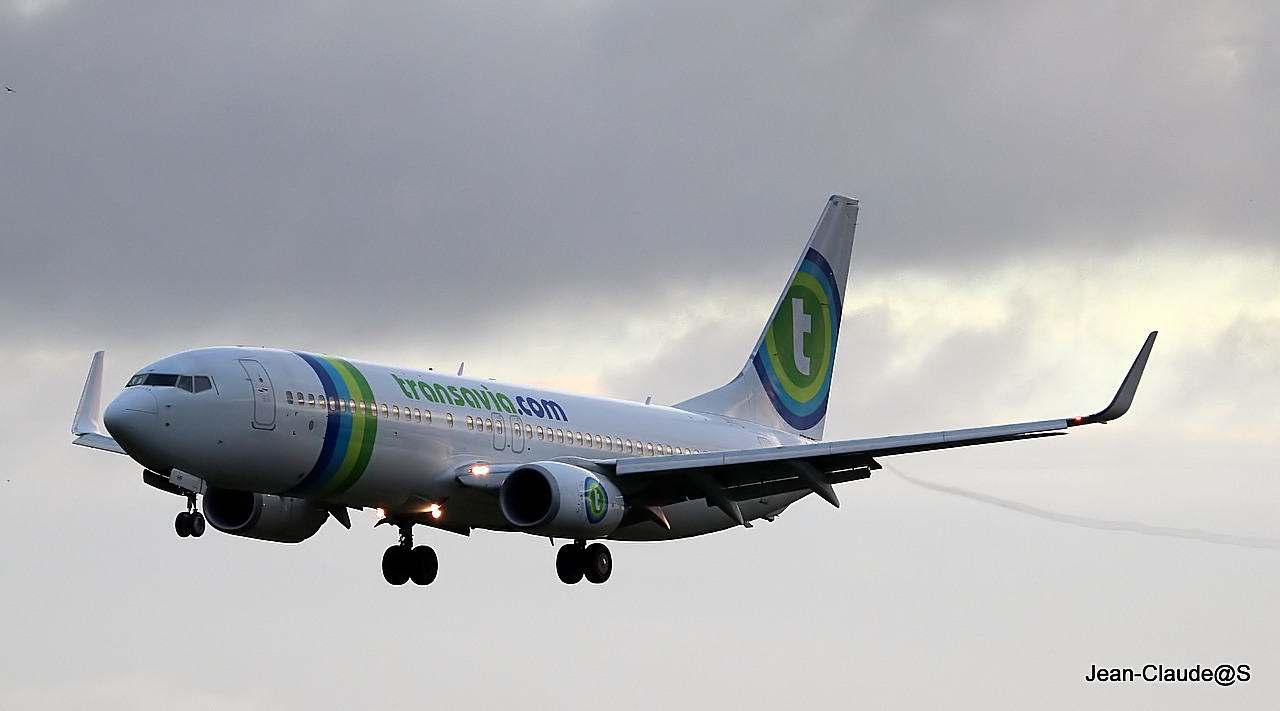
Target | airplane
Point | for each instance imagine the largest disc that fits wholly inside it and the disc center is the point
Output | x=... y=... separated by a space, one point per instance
x=277 y=442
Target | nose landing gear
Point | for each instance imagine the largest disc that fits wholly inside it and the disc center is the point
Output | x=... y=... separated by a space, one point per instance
x=190 y=522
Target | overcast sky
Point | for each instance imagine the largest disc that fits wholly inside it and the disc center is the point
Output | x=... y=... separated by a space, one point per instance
x=607 y=197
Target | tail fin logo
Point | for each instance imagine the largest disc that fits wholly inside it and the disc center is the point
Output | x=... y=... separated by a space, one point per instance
x=794 y=360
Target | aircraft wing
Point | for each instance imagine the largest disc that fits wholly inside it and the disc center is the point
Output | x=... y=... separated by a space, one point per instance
x=727 y=477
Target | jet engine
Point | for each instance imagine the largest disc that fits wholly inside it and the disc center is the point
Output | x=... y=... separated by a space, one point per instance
x=563 y=500
x=267 y=517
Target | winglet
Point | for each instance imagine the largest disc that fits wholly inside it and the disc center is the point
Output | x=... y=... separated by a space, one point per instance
x=1124 y=396
x=87 y=427
x=89 y=412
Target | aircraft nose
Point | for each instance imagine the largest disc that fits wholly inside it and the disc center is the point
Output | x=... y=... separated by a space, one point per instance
x=131 y=418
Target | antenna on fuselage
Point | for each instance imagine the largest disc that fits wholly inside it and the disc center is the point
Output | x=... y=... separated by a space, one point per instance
x=461 y=365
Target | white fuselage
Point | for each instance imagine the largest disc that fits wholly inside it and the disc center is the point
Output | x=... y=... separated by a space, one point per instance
x=357 y=434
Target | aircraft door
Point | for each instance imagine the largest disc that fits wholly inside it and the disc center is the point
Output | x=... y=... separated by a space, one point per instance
x=499 y=432
x=517 y=435
x=264 y=396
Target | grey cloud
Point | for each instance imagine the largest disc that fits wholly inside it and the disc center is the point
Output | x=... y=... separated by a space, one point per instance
x=327 y=160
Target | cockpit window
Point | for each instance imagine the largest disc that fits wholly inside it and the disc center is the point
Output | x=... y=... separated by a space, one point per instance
x=163 y=380
x=190 y=383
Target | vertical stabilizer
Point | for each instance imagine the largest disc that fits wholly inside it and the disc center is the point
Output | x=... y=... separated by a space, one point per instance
x=787 y=380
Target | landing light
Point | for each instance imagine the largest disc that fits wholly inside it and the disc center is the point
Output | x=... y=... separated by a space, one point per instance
x=380 y=513
x=480 y=470
x=434 y=510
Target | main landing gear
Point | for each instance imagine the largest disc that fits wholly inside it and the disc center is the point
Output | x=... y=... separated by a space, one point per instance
x=190 y=522
x=404 y=562
x=577 y=560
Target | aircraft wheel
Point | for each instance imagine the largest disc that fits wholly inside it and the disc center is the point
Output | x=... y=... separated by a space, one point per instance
x=423 y=565
x=197 y=524
x=569 y=563
x=597 y=563
x=396 y=565
x=182 y=524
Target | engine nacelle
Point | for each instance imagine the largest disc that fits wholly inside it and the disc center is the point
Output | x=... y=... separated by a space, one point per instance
x=267 y=517
x=558 y=499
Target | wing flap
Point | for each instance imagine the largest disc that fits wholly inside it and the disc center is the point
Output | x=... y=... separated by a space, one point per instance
x=740 y=475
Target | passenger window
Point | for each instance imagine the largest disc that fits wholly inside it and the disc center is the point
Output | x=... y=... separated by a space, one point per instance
x=417 y=415
x=628 y=450
x=560 y=435
x=395 y=411
x=578 y=437
x=321 y=402
x=488 y=425
x=426 y=416
x=528 y=431
x=471 y=424
x=539 y=431
x=288 y=396
x=497 y=425
x=311 y=400
x=384 y=410
x=448 y=418
x=598 y=442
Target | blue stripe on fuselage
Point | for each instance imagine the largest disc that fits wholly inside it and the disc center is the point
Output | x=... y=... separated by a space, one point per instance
x=337 y=431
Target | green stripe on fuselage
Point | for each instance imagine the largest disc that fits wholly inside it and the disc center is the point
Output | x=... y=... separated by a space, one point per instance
x=364 y=429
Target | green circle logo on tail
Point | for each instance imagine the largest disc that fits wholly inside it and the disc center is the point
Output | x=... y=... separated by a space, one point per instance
x=794 y=362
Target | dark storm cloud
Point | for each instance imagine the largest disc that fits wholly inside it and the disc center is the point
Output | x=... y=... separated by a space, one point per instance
x=349 y=165
x=311 y=165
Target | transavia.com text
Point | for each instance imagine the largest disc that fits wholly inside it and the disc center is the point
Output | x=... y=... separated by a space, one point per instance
x=1222 y=675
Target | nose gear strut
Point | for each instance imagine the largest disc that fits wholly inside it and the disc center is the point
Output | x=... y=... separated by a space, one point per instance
x=190 y=522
